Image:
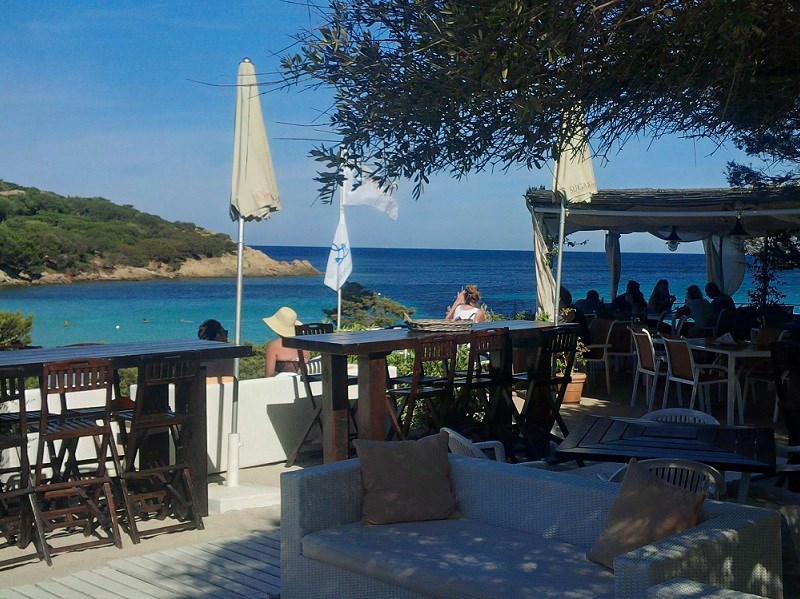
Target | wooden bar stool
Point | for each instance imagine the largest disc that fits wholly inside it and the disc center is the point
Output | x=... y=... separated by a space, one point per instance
x=483 y=390
x=311 y=372
x=545 y=385
x=16 y=490
x=72 y=493
x=437 y=352
x=159 y=486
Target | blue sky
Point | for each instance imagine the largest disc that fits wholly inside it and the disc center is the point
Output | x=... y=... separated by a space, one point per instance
x=100 y=99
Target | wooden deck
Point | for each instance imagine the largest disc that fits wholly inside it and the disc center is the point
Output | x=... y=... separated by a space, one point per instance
x=247 y=566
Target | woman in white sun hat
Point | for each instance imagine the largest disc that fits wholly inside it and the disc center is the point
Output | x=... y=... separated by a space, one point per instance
x=279 y=359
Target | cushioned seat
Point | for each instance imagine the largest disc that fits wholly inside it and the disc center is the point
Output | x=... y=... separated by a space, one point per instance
x=461 y=558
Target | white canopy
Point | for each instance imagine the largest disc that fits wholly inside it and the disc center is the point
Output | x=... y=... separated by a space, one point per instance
x=696 y=214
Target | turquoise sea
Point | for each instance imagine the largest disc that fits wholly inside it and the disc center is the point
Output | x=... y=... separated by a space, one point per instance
x=421 y=278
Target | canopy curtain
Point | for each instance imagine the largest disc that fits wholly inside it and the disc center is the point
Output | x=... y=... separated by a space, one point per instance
x=724 y=263
x=545 y=283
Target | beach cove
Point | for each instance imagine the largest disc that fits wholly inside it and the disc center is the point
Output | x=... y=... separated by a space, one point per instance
x=424 y=279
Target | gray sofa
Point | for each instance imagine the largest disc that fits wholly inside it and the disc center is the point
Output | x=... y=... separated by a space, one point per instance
x=523 y=533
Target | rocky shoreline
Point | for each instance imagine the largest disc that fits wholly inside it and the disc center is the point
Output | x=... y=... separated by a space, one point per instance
x=256 y=264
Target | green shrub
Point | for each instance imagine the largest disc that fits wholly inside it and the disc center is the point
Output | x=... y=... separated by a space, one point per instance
x=15 y=329
x=252 y=367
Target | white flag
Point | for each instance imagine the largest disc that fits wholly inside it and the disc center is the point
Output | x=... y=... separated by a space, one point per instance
x=340 y=262
x=367 y=193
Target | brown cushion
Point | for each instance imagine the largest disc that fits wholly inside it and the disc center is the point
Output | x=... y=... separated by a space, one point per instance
x=646 y=510
x=405 y=481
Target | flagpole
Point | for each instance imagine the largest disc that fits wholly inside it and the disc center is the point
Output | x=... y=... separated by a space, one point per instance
x=339 y=290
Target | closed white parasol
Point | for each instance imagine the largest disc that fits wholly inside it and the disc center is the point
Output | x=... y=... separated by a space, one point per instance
x=254 y=196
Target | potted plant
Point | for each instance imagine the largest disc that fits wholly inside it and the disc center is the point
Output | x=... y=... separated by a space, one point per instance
x=574 y=390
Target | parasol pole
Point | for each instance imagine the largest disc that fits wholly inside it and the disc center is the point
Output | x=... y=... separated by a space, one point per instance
x=232 y=478
x=562 y=216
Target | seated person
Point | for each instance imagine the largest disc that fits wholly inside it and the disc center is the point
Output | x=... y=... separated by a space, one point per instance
x=277 y=358
x=571 y=313
x=629 y=304
x=466 y=305
x=719 y=300
x=700 y=310
x=660 y=300
x=591 y=304
x=217 y=371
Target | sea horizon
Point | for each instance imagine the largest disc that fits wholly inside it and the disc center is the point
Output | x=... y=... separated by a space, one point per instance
x=421 y=278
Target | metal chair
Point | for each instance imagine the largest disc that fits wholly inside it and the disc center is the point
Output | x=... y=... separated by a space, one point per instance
x=16 y=492
x=159 y=485
x=401 y=402
x=682 y=369
x=460 y=445
x=680 y=326
x=598 y=349
x=72 y=493
x=724 y=322
x=680 y=415
x=687 y=474
x=648 y=364
x=760 y=371
x=786 y=363
x=483 y=450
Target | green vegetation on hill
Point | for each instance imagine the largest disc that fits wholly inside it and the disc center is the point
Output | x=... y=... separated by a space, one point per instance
x=43 y=231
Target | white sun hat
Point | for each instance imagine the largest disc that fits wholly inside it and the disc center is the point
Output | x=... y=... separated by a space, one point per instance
x=283 y=321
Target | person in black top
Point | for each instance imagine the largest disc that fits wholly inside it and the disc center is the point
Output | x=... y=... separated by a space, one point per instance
x=629 y=304
x=592 y=304
x=719 y=300
x=571 y=313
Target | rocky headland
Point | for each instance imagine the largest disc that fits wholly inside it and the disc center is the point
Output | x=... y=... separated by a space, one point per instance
x=256 y=264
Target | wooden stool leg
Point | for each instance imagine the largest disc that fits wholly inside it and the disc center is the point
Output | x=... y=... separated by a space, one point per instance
x=39 y=522
x=316 y=419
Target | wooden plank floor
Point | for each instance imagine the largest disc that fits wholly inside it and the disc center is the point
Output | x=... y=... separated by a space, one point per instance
x=246 y=566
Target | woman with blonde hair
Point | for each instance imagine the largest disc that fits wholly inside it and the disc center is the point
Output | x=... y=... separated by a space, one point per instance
x=467 y=305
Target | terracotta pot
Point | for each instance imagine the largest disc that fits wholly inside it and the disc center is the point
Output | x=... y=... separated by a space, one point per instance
x=575 y=388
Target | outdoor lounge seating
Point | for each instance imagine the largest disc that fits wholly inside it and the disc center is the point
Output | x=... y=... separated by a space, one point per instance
x=521 y=533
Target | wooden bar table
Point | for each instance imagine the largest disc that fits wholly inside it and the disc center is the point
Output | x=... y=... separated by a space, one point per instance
x=372 y=347
x=128 y=355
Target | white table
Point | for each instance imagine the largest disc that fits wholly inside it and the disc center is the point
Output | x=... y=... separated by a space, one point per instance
x=733 y=352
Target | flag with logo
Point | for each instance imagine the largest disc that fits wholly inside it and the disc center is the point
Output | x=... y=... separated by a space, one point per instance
x=340 y=262
x=361 y=190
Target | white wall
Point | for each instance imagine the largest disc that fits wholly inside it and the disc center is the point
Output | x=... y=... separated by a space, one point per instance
x=272 y=415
